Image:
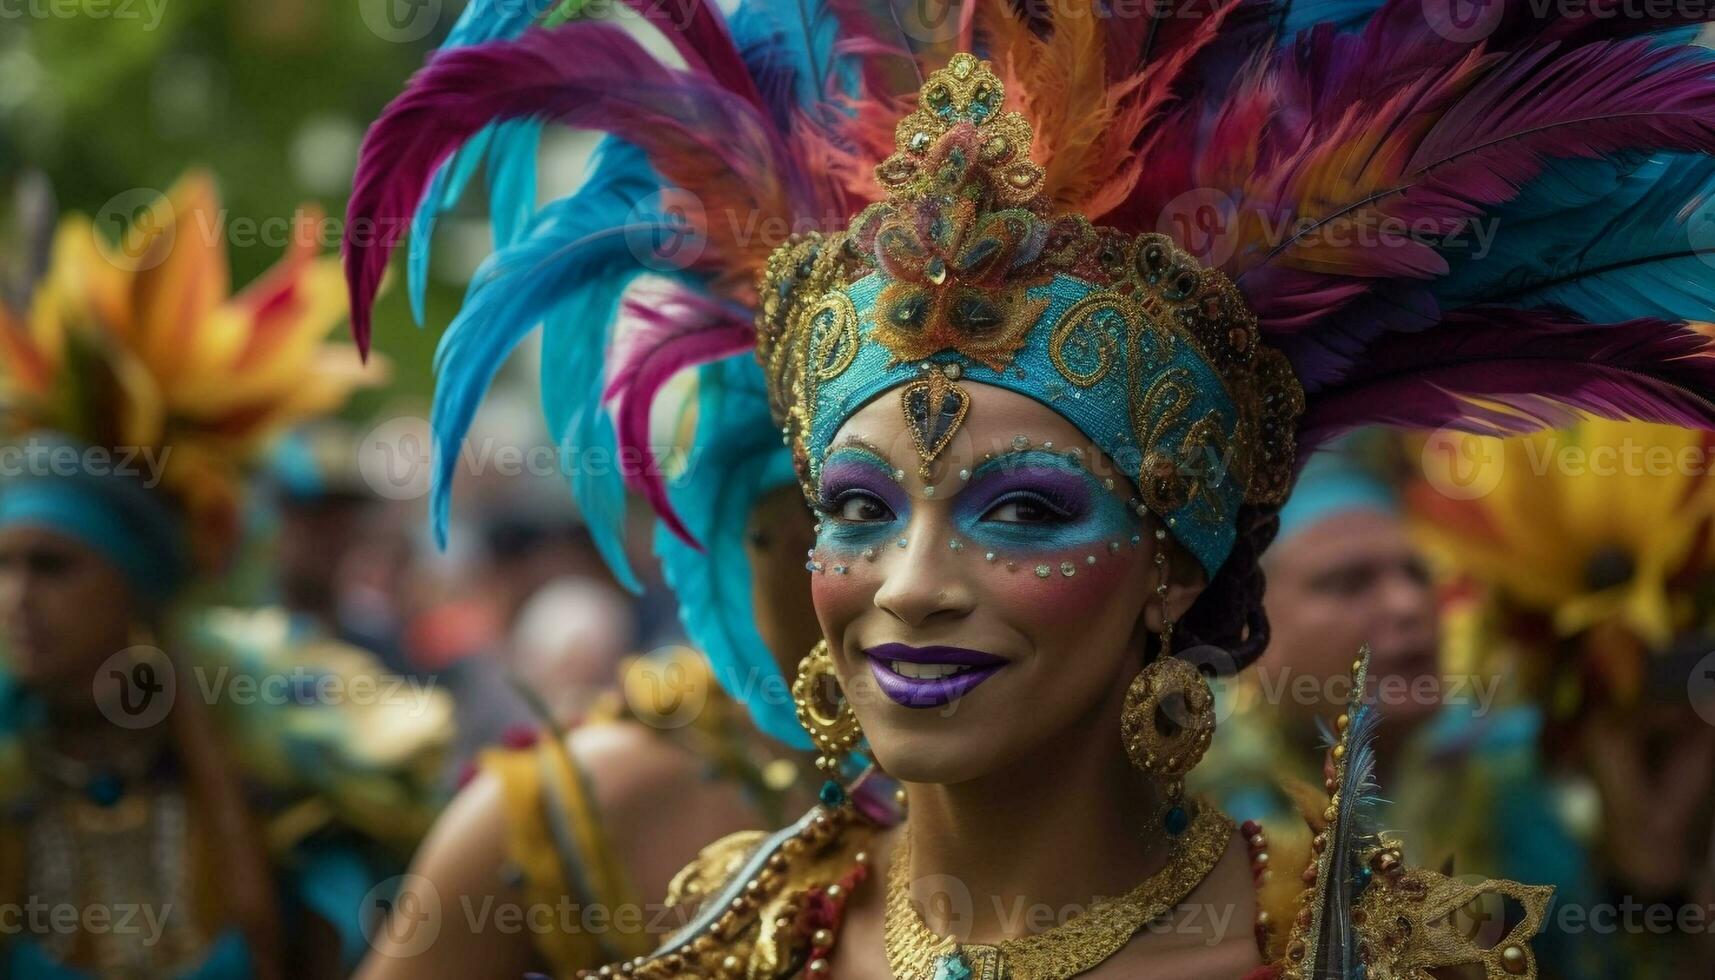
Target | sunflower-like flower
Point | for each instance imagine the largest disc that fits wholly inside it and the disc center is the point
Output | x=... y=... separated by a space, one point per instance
x=136 y=344
x=1596 y=539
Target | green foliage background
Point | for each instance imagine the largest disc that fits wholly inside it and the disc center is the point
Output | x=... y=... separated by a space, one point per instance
x=105 y=96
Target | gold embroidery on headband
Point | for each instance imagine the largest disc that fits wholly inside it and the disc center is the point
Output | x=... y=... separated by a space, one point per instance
x=834 y=327
x=1083 y=346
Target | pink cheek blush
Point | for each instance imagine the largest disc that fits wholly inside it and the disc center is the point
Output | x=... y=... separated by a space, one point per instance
x=1058 y=599
x=843 y=596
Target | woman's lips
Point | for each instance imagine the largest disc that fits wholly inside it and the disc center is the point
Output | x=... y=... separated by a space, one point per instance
x=928 y=677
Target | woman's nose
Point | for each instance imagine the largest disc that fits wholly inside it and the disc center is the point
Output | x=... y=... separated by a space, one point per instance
x=928 y=579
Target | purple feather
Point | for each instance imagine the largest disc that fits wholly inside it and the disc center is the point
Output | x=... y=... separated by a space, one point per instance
x=687 y=330
x=699 y=33
x=1541 y=368
x=570 y=74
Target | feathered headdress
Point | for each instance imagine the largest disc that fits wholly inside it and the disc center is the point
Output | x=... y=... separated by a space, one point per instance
x=1418 y=215
x=135 y=349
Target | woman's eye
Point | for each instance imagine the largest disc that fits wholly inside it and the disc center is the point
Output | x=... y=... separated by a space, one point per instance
x=1024 y=509
x=861 y=507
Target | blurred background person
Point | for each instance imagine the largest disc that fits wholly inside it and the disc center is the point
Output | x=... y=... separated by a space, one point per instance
x=1463 y=781
x=1588 y=564
x=1343 y=573
x=616 y=795
x=193 y=765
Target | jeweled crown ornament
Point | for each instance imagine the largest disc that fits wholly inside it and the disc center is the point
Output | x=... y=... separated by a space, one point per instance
x=965 y=273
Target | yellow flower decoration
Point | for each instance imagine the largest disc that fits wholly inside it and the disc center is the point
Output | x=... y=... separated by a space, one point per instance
x=1602 y=527
x=138 y=343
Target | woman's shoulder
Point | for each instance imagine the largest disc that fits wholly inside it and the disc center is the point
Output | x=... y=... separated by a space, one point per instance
x=766 y=904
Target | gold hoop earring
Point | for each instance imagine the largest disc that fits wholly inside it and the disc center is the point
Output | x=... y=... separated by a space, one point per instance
x=1169 y=714
x=1166 y=724
x=1168 y=719
x=823 y=709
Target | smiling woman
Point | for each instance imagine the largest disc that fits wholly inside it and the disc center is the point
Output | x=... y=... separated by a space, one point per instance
x=1046 y=454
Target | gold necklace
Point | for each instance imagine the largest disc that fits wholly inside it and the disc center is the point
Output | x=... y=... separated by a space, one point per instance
x=914 y=952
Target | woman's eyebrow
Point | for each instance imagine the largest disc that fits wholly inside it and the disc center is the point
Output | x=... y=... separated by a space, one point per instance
x=857 y=446
x=1033 y=456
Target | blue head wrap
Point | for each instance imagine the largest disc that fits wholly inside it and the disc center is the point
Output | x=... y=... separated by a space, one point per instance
x=101 y=501
x=1332 y=483
x=1090 y=353
x=967 y=272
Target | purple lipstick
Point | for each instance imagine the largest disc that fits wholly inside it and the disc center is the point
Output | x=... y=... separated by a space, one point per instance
x=929 y=677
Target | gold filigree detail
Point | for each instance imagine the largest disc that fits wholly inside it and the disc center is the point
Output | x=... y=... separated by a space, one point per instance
x=754 y=890
x=966 y=91
x=834 y=326
x=1404 y=918
x=1080 y=336
x=926 y=405
x=1204 y=455
x=962 y=239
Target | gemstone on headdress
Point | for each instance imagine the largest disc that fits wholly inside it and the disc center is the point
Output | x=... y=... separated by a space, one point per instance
x=934 y=408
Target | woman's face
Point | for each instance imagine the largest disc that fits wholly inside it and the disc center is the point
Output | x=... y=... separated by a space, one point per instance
x=979 y=619
x=64 y=609
x=778 y=534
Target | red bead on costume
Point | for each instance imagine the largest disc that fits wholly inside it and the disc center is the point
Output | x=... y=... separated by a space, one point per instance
x=821 y=920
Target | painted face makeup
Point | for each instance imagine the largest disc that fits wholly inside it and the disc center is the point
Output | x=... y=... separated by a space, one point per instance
x=1033 y=512
x=862 y=509
x=1032 y=503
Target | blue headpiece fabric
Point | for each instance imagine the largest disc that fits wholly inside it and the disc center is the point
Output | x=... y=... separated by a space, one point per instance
x=1333 y=483
x=1084 y=358
x=55 y=484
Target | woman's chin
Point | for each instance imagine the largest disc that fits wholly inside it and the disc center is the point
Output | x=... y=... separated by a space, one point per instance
x=950 y=757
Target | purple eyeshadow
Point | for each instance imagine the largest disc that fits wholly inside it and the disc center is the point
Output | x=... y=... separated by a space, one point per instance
x=1066 y=490
x=849 y=470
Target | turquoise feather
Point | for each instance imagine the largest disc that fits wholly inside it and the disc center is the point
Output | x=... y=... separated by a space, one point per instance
x=568 y=272
x=734 y=459
x=1641 y=249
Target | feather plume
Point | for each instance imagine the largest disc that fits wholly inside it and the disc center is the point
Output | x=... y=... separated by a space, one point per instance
x=1342 y=869
x=1359 y=145
x=1540 y=366
x=696 y=132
